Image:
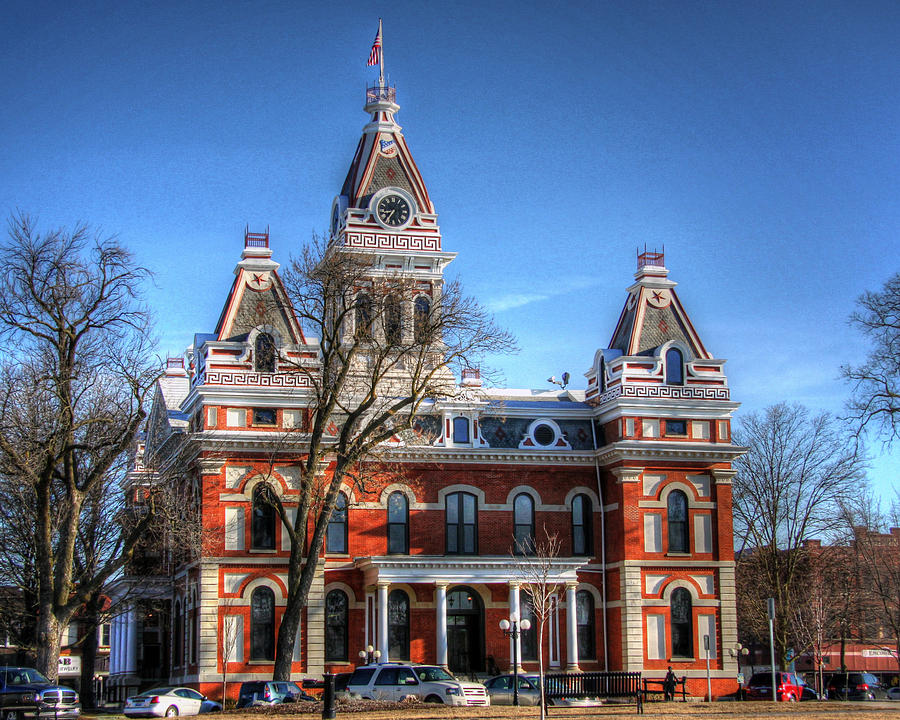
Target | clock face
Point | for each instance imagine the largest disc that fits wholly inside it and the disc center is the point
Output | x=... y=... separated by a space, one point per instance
x=335 y=218
x=393 y=210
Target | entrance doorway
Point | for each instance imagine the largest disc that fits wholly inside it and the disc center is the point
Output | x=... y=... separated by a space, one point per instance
x=465 y=631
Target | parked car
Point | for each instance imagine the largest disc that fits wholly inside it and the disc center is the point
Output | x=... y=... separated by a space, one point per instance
x=789 y=687
x=430 y=683
x=168 y=702
x=260 y=692
x=25 y=692
x=500 y=689
x=855 y=686
x=893 y=693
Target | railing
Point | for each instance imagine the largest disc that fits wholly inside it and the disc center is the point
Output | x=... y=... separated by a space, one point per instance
x=650 y=258
x=256 y=240
x=175 y=362
x=594 y=684
x=381 y=92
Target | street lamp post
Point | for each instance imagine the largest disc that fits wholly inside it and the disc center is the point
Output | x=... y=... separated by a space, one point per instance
x=513 y=628
x=369 y=655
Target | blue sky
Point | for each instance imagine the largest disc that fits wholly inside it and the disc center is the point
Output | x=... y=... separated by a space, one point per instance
x=756 y=141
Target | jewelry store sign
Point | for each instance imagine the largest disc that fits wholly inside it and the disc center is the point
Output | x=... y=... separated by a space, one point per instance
x=70 y=665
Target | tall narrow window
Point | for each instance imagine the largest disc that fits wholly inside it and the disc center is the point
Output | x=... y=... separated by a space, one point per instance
x=336 y=537
x=422 y=319
x=584 y=615
x=462 y=530
x=179 y=636
x=523 y=519
x=528 y=641
x=336 y=620
x=682 y=624
x=582 y=537
x=262 y=624
x=262 y=526
x=393 y=325
x=460 y=430
x=398 y=625
x=398 y=524
x=265 y=353
x=363 y=316
x=674 y=367
x=677 y=517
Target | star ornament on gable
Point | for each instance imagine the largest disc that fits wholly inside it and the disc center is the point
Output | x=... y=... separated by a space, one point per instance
x=258 y=281
x=658 y=298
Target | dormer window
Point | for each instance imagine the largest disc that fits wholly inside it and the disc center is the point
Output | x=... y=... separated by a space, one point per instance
x=674 y=367
x=461 y=431
x=264 y=355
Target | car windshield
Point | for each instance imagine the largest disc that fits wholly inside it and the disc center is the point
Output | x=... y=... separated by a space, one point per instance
x=432 y=674
x=24 y=676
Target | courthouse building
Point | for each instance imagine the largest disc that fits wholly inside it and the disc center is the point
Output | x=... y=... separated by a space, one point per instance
x=633 y=474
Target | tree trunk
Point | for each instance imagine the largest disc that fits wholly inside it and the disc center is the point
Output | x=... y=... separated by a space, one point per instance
x=48 y=642
x=89 y=651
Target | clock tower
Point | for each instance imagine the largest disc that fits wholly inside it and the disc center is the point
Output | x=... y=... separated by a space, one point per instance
x=383 y=210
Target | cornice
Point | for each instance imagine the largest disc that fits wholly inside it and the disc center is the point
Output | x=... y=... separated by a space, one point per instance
x=661 y=450
x=491 y=455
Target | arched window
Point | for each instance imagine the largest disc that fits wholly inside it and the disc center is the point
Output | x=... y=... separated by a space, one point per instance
x=336 y=620
x=363 y=316
x=582 y=536
x=336 y=537
x=393 y=323
x=460 y=430
x=262 y=525
x=601 y=381
x=677 y=517
x=265 y=353
x=398 y=524
x=584 y=615
x=398 y=625
x=674 y=367
x=529 y=636
x=179 y=636
x=523 y=521
x=682 y=624
x=462 y=528
x=262 y=624
x=422 y=319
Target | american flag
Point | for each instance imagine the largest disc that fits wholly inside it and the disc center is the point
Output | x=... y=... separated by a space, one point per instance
x=375 y=55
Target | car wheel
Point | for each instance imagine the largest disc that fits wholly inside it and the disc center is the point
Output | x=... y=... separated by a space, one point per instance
x=171 y=711
x=434 y=699
x=791 y=698
x=13 y=715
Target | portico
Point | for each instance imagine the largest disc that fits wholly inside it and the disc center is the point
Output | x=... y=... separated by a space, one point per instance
x=460 y=612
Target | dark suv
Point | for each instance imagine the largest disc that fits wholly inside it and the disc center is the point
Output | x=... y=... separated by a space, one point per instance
x=855 y=686
x=25 y=693
x=259 y=692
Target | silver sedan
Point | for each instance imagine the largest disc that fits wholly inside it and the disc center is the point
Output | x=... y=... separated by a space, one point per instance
x=500 y=689
x=168 y=702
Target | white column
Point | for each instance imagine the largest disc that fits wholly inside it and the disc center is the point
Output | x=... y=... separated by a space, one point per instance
x=383 y=621
x=515 y=651
x=113 y=649
x=441 y=602
x=571 y=629
x=132 y=642
x=120 y=644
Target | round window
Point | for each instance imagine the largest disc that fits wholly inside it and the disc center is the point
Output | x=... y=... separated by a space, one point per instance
x=544 y=435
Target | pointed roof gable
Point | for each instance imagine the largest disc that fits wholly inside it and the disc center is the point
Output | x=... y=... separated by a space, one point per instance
x=382 y=157
x=653 y=315
x=257 y=296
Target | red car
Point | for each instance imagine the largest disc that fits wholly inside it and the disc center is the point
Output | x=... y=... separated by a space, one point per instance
x=788 y=687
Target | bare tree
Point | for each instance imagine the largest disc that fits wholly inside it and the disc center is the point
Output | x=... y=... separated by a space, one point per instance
x=536 y=570
x=875 y=402
x=378 y=366
x=789 y=487
x=228 y=639
x=75 y=380
x=877 y=553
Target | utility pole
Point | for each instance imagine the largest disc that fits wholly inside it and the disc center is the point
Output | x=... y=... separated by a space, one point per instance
x=771 y=604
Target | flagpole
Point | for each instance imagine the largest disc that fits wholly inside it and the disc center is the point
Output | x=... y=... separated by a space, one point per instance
x=381 y=57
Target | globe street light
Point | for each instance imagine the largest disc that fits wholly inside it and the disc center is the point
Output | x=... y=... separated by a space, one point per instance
x=369 y=655
x=513 y=628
